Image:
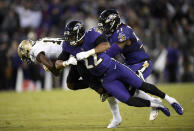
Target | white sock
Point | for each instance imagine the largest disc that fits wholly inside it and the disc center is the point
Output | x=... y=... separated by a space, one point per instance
x=143 y=95
x=153 y=104
x=169 y=99
x=114 y=107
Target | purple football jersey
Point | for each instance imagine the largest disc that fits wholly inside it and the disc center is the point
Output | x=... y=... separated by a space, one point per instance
x=133 y=53
x=97 y=64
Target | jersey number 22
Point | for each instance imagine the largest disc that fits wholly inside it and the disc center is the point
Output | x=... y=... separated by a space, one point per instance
x=96 y=62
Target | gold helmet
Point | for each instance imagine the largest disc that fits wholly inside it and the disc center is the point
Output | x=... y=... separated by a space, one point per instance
x=24 y=50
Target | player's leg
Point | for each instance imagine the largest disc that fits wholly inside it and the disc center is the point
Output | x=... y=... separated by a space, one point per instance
x=129 y=77
x=153 y=111
x=73 y=81
x=92 y=81
x=118 y=90
x=113 y=105
x=152 y=89
x=95 y=84
x=143 y=70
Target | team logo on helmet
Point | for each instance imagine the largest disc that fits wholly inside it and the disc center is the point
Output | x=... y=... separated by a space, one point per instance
x=111 y=17
x=24 y=49
x=74 y=32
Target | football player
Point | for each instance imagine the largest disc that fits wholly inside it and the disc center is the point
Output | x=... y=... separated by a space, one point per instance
x=124 y=40
x=89 y=47
x=42 y=51
x=46 y=50
x=74 y=84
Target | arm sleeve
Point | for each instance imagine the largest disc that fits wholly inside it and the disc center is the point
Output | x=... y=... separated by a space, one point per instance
x=64 y=56
x=100 y=39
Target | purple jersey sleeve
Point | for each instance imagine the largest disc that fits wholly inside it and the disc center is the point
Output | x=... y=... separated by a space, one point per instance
x=90 y=38
x=98 y=63
x=133 y=53
x=126 y=33
x=113 y=50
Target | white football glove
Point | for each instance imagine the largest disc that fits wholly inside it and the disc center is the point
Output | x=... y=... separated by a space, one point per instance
x=71 y=61
x=85 y=54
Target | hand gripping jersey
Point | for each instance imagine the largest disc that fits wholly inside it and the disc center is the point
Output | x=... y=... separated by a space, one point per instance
x=97 y=63
x=51 y=47
x=133 y=53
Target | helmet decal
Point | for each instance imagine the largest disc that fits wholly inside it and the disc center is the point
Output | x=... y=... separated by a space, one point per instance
x=111 y=17
x=74 y=32
x=109 y=21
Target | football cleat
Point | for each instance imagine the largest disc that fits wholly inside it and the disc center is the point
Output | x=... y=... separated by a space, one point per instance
x=153 y=110
x=165 y=110
x=114 y=123
x=153 y=113
x=177 y=107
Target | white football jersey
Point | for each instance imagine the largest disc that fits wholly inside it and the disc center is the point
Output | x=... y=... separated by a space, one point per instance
x=51 y=47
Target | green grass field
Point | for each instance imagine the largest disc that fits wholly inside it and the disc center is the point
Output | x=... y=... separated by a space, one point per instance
x=82 y=110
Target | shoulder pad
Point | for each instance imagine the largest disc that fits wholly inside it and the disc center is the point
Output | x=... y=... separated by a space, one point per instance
x=95 y=29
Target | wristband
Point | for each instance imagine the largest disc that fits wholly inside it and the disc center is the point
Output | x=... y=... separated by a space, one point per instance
x=65 y=63
x=91 y=52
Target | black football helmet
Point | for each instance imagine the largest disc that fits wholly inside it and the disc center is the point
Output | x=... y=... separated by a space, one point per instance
x=74 y=32
x=109 y=21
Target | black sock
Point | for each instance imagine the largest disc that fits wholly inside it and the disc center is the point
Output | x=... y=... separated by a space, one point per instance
x=152 y=89
x=138 y=102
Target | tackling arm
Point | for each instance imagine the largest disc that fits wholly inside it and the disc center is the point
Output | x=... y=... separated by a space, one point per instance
x=117 y=47
x=64 y=60
x=101 y=46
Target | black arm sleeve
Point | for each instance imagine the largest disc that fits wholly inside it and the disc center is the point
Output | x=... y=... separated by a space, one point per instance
x=100 y=39
x=64 y=56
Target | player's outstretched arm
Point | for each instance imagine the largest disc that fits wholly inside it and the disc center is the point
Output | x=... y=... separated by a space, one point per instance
x=41 y=58
x=60 y=64
x=101 y=47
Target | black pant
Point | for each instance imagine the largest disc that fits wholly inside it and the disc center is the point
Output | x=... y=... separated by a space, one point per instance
x=81 y=71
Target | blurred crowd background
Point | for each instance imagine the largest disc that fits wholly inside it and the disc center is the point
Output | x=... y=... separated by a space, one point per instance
x=166 y=28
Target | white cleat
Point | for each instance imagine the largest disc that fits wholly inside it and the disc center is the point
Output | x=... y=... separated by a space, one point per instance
x=114 y=123
x=154 y=111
